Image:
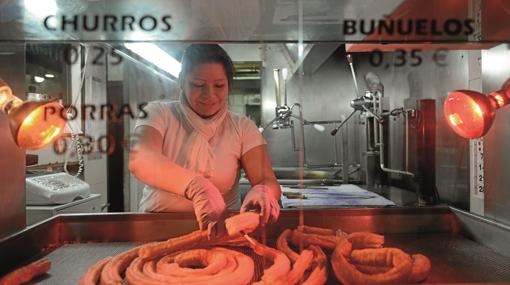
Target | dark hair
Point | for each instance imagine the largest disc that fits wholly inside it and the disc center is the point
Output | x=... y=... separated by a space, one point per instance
x=205 y=53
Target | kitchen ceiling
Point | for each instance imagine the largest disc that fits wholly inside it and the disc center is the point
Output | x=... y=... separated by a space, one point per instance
x=219 y=20
x=235 y=20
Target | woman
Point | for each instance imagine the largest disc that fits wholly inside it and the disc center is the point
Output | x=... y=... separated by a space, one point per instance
x=190 y=151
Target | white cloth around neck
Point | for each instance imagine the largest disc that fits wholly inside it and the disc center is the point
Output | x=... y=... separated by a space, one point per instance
x=197 y=153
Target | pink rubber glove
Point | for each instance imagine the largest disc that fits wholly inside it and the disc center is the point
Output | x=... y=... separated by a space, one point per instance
x=210 y=209
x=261 y=199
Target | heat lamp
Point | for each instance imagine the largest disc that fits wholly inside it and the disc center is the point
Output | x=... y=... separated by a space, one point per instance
x=34 y=124
x=470 y=114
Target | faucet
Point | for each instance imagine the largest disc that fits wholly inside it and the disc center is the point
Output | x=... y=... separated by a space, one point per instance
x=285 y=113
x=282 y=119
x=370 y=103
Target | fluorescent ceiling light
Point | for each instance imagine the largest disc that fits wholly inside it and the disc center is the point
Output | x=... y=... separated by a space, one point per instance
x=38 y=79
x=156 y=56
x=49 y=75
x=41 y=8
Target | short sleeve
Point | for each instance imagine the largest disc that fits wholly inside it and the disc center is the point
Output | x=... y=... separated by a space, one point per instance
x=250 y=135
x=154 y=115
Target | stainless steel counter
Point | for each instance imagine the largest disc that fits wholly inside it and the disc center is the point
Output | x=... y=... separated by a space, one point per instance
x=74 y=242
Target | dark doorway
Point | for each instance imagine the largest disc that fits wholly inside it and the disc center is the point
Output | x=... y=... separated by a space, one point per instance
x=115 y=162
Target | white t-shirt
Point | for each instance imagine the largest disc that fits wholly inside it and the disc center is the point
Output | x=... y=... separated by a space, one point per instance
x=236 y=136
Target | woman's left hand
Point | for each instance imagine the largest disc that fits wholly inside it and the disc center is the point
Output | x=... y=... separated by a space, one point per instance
x=262 y=199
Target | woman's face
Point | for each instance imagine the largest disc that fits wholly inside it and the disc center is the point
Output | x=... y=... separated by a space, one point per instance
x=206 y=88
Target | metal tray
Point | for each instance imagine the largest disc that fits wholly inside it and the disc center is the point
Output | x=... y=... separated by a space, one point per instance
x=446 y=235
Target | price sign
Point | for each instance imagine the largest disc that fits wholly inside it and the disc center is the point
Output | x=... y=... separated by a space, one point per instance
x=477 y=185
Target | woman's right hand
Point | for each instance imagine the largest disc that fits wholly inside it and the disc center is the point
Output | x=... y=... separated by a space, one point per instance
x=210 y=209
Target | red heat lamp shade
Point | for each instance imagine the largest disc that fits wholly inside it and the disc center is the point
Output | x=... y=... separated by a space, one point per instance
x=471 y=114
x=33 y=127
x=32 y=123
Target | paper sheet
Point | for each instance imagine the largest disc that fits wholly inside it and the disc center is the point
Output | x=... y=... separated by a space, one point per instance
x=343 y=195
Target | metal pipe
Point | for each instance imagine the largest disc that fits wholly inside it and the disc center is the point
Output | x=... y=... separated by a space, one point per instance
x=302 y=125
x=381 y=154
x=406 y=118
x=276 y=74
x=379 y=134
x=377 y=106
x=368 y=130
x=336 y=150
x=349 y=60
x=284 y=77
x=285 y=92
